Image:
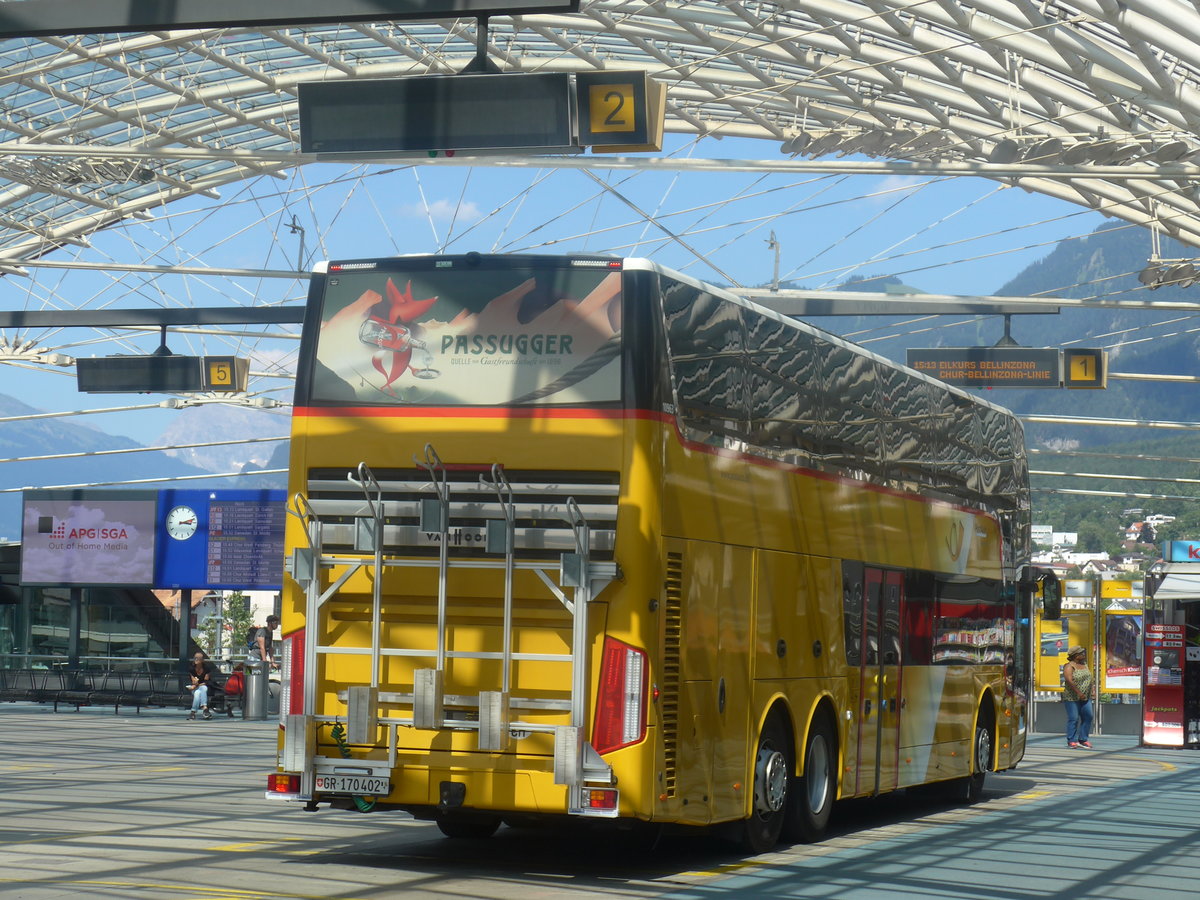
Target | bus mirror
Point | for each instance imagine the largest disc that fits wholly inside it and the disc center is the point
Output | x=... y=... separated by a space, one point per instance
x=1051 y=596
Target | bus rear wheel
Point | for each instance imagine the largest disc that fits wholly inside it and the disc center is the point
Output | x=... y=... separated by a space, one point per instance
x=772 y=774
x=811 y=799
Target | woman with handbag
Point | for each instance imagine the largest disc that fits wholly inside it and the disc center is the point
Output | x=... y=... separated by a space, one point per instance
x=1078 y=686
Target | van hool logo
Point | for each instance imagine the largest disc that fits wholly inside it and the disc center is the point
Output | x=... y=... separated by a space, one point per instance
x=459 y=537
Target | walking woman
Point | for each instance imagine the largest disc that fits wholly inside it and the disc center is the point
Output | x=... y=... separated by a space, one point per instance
x=1078 y=687
x=200 y=674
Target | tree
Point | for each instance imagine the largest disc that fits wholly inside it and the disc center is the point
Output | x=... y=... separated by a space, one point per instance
x=233 y=613
x=1095 y=537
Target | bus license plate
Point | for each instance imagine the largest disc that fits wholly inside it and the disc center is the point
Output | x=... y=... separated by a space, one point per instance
x=363 y=785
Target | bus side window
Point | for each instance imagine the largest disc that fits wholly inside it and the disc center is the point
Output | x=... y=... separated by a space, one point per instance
x=916 y=632
x=852 y=604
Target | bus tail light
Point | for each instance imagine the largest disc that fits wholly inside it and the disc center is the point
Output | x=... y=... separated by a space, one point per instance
x=596 y=799
x=278 y=783
x=621 y=701
x=291 y=675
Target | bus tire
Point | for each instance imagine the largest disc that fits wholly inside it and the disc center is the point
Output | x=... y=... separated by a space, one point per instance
x=970 y=789
x=472 y=826
x=810 y=801
x=772 y=773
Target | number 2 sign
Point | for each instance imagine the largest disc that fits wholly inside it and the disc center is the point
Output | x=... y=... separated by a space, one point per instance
x=611 y=108
x=614 y=110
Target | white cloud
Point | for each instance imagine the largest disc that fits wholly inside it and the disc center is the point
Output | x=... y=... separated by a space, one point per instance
x=894 y=183
x=442 y=211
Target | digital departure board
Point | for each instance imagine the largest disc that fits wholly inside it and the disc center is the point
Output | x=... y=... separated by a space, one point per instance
x=161 y=374
x=222 y=540
x=511 y=111
x=987 y=367
x=245 y=543
x=1014 y=367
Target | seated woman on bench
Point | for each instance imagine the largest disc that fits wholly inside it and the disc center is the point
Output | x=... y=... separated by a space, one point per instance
x=200 y=678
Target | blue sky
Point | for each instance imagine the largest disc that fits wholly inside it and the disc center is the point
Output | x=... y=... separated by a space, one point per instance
x=948 y=235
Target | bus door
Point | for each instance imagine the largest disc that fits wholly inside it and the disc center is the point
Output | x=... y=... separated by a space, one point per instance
x=879 y=705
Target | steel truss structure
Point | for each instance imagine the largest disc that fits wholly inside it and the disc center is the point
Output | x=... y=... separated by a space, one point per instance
x=1045 y=89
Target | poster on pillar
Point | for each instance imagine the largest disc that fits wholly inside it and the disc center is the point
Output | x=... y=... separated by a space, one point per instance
x=1121 y=663
x=1055 y=638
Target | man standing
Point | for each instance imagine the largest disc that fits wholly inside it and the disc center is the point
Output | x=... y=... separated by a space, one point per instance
x=260 y=649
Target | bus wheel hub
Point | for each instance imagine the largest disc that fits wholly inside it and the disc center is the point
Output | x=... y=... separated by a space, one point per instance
x=770 y=781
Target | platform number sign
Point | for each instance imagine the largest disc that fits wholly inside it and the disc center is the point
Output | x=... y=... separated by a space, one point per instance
x=613 y=108
x=1085 y=368
x=225 y=373
x=220 y=372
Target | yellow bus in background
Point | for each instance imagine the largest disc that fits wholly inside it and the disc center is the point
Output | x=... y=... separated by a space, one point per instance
x=583 y=537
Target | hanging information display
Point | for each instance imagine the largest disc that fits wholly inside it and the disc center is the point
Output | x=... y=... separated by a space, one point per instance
x=225 y=540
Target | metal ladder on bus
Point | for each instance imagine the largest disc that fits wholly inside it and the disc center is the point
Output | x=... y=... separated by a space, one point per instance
x=580 y=580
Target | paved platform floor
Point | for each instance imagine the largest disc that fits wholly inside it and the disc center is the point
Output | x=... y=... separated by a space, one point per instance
x=96 y=805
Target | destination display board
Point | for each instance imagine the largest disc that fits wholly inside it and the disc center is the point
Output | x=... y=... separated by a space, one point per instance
x=510 y=111
x=1024 y=367
x=223 y=540
x=161 y=374
x=1016 y=367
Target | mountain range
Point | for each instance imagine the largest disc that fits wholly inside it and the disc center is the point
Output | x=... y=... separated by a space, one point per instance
x=1104 y=263
x=1101 y=265
x=82 y=455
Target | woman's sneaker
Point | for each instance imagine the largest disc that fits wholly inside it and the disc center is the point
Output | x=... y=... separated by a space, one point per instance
x=1086 y=745
x=208 y=715
x=1073 y=745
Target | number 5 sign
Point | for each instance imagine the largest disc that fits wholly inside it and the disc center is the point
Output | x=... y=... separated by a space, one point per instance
x=226 y=373
x=619 y=111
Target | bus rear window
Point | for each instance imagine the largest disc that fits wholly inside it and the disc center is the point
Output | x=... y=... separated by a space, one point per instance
x=470 y=337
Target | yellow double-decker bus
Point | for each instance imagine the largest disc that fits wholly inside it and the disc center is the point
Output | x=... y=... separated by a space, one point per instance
x=583 y=537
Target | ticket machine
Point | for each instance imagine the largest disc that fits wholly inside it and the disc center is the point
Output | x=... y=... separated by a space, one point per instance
x=1171 y=651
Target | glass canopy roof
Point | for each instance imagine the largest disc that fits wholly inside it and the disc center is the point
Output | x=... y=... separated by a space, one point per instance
x=1091 y=101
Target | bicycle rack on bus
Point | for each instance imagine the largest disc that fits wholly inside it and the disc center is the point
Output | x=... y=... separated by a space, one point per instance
x=575 y=762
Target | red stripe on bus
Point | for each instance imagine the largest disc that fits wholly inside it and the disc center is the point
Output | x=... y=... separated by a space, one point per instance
x=473 y=412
